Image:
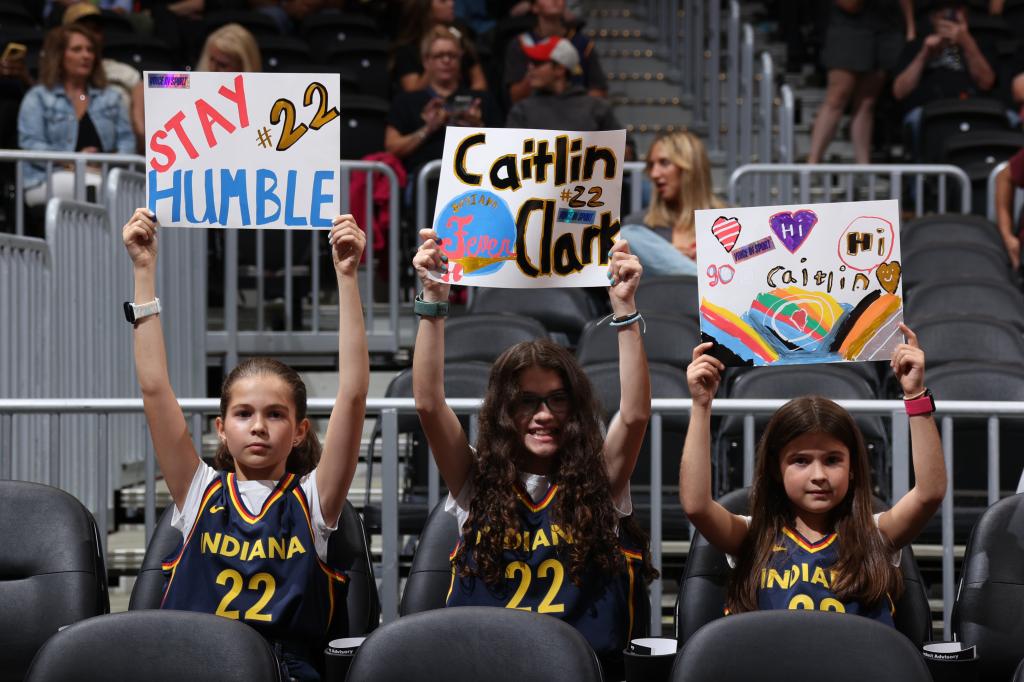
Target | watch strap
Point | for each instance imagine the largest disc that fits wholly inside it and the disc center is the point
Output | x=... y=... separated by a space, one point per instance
x=921 y=405
x=429 y=308
x=134 y=312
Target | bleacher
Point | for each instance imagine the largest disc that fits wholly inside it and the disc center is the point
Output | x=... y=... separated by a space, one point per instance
x=718 y=69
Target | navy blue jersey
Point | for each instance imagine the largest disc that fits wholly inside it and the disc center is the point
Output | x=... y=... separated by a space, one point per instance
x=800 y=576
x=260 y=568
x=602 y=607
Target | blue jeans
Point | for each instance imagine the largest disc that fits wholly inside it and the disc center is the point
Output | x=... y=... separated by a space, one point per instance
x=657 y=256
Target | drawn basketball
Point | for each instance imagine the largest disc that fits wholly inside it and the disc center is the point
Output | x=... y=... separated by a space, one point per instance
x=477 y=232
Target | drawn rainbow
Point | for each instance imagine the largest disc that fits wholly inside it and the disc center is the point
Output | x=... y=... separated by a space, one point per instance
x=738 y=336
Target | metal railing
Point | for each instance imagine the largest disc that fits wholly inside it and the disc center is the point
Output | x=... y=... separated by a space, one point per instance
x=389 y=409
x=766 y=184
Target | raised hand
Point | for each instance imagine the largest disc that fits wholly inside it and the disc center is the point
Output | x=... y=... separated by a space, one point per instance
x=347 y=244
x=704 y=375
x=908 y=363
x=429 y=258
x=139 y=236
x=624 y=272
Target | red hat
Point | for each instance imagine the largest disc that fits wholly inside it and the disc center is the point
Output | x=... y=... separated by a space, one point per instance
x=558 y=50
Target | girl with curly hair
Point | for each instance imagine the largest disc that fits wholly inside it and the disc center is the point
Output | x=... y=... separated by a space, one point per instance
x=543 y=499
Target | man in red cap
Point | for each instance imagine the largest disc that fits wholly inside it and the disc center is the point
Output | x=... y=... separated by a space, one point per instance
x=556 y=103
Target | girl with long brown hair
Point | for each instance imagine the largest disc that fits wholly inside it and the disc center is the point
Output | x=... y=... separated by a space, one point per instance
x=811 y=541
x=542 y=500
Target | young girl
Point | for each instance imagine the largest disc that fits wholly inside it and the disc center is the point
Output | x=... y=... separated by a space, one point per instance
x=542 y=501
x=812 y=542
x=255 y=529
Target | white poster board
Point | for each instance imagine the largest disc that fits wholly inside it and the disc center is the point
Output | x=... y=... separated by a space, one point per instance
x=253 y=150
x=800 y=284
x=529 y=208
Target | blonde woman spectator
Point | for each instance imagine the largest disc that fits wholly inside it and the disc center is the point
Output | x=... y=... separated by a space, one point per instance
x=230 y=48
x=663 y=236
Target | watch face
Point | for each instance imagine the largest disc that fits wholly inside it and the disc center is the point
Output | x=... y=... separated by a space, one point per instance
x=129 y=313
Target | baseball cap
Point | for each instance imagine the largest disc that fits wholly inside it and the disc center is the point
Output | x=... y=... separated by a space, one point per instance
x=558 y=50
x=78 y=11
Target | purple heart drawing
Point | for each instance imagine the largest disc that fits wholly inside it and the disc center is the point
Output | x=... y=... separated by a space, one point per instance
x=792 y=229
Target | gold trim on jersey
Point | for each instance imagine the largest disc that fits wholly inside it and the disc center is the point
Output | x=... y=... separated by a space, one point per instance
x=806 y=545
x=239 y=504
x=524 y=497
x=172 y=565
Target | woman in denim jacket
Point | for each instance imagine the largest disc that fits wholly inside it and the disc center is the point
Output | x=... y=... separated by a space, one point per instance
x=71 y=109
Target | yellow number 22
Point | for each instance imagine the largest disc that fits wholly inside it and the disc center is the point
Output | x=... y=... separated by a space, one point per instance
x=549 y=566
x=264 y=580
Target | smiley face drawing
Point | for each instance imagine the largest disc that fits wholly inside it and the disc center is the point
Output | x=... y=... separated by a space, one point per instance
x=888 y=275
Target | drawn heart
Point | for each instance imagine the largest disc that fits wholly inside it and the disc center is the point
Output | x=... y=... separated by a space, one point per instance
x=726 y=231
x=792 y=229
x=888 y=275
x=800 y=317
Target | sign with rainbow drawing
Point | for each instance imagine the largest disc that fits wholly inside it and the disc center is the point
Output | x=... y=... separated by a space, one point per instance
x=800 y=284
x=528 y=208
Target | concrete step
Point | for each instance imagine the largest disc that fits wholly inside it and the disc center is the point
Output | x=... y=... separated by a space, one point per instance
x=616 y=21
x=633 y=64
x=647 y=114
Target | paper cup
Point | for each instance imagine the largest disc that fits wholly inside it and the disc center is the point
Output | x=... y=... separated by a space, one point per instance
x=338 y=657
x=650 y=659
x=951 y=661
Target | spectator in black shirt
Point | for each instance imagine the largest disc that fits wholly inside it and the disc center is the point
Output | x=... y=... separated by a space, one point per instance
x=416 y=122
x=423 y=16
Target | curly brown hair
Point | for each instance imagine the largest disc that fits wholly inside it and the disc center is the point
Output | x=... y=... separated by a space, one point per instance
x=584 y=504
x=863 y=570
x=304 y=457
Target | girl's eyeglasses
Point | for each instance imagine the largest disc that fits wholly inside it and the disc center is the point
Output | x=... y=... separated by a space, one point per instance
x=558 y=403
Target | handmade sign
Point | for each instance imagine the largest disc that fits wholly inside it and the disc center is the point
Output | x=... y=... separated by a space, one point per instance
x=800 y=284
x=242 y=149
x=529 y=208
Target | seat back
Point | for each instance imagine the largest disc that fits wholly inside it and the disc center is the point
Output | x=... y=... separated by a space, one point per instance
x=987 y=608
x=949 y=228
x=475 y=643
x=988 y=146
x=669 y=294
x=668 y=339
x=701 y=597
x=949 y=338
x=157 y=646
x=363 y=119
x=980 y=296
x=775 y=645
x=51 y=571
x=347 y=551
x=485 y=336
x=946 y=118
x=939 y=262
x=563 y=312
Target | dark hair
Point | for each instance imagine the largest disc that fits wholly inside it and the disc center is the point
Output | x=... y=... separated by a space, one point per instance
x=51 y=60
x=584 y=504
x=304 y=457
x=863 y=571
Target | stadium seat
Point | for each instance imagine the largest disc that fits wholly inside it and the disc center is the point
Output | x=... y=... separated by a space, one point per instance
x=346 y=550
x=431 y=572
x=944 y=119
x=485 y=336
x=475 y=643
x=156 y=646
x=989 y=146
x=991 y=590
x=941 y=261
x=950 y=338
x=14 y=17
x=282 y=54
x=669 y=294
x=144 y=53
x=979 y=295
x=322 y=30
x=668 y=339
x=780 y=646
x=257 y=23
x=563 y=312
x=51 y=571
x=363 y=120
x=115 y=24
x=949 y=228
x=365 y=58
x=701 y=597
x=834 y=381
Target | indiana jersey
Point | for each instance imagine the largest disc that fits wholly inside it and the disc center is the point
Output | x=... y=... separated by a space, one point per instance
x=261 y=568
x=602 y=607
x=800 y=576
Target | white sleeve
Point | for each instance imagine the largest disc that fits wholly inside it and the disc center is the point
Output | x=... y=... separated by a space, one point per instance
x=729 y=558
x=624 y=503
x=184 y=519
x=321 y=531
x=897 y=556
x=459 y=506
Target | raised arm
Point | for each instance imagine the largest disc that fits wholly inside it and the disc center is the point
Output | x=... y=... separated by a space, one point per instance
x=171 y=440
x=626 y=433
x=345 y=428
x=904 y=521
x=718 y=525
x=444 y=433
x=1004 y=215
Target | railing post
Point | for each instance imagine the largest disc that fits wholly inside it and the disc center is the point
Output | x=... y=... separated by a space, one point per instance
x=656 y=525
x=900 y=454
x=993 y=460
x=947 y=530
x=389 y=516
x=748 y=449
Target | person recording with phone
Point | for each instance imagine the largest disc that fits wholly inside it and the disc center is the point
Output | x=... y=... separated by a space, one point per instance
x=416 y=122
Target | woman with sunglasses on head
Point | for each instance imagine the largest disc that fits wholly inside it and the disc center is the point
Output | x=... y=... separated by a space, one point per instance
x=542 y=500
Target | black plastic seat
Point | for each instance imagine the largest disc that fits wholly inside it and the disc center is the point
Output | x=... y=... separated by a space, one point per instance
x=347 y=551
x=951 y=338
x=776 y=646
x=563 y=311
x=936 y=262
x=283 y=54
x=362 y=56
x=257 y=23
x=701 y=597
x=157 y=646
x=949 y=228
x=363 y=120
x=475 y=643
x=980 y=296
x=485 y=336
x=989 y=146
x=991 y=590
x=668 y=339
x=945 y=118
x=431 y=572
x=144 y=53
x=51 y=571
x=669 y=294
x=324 y=29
